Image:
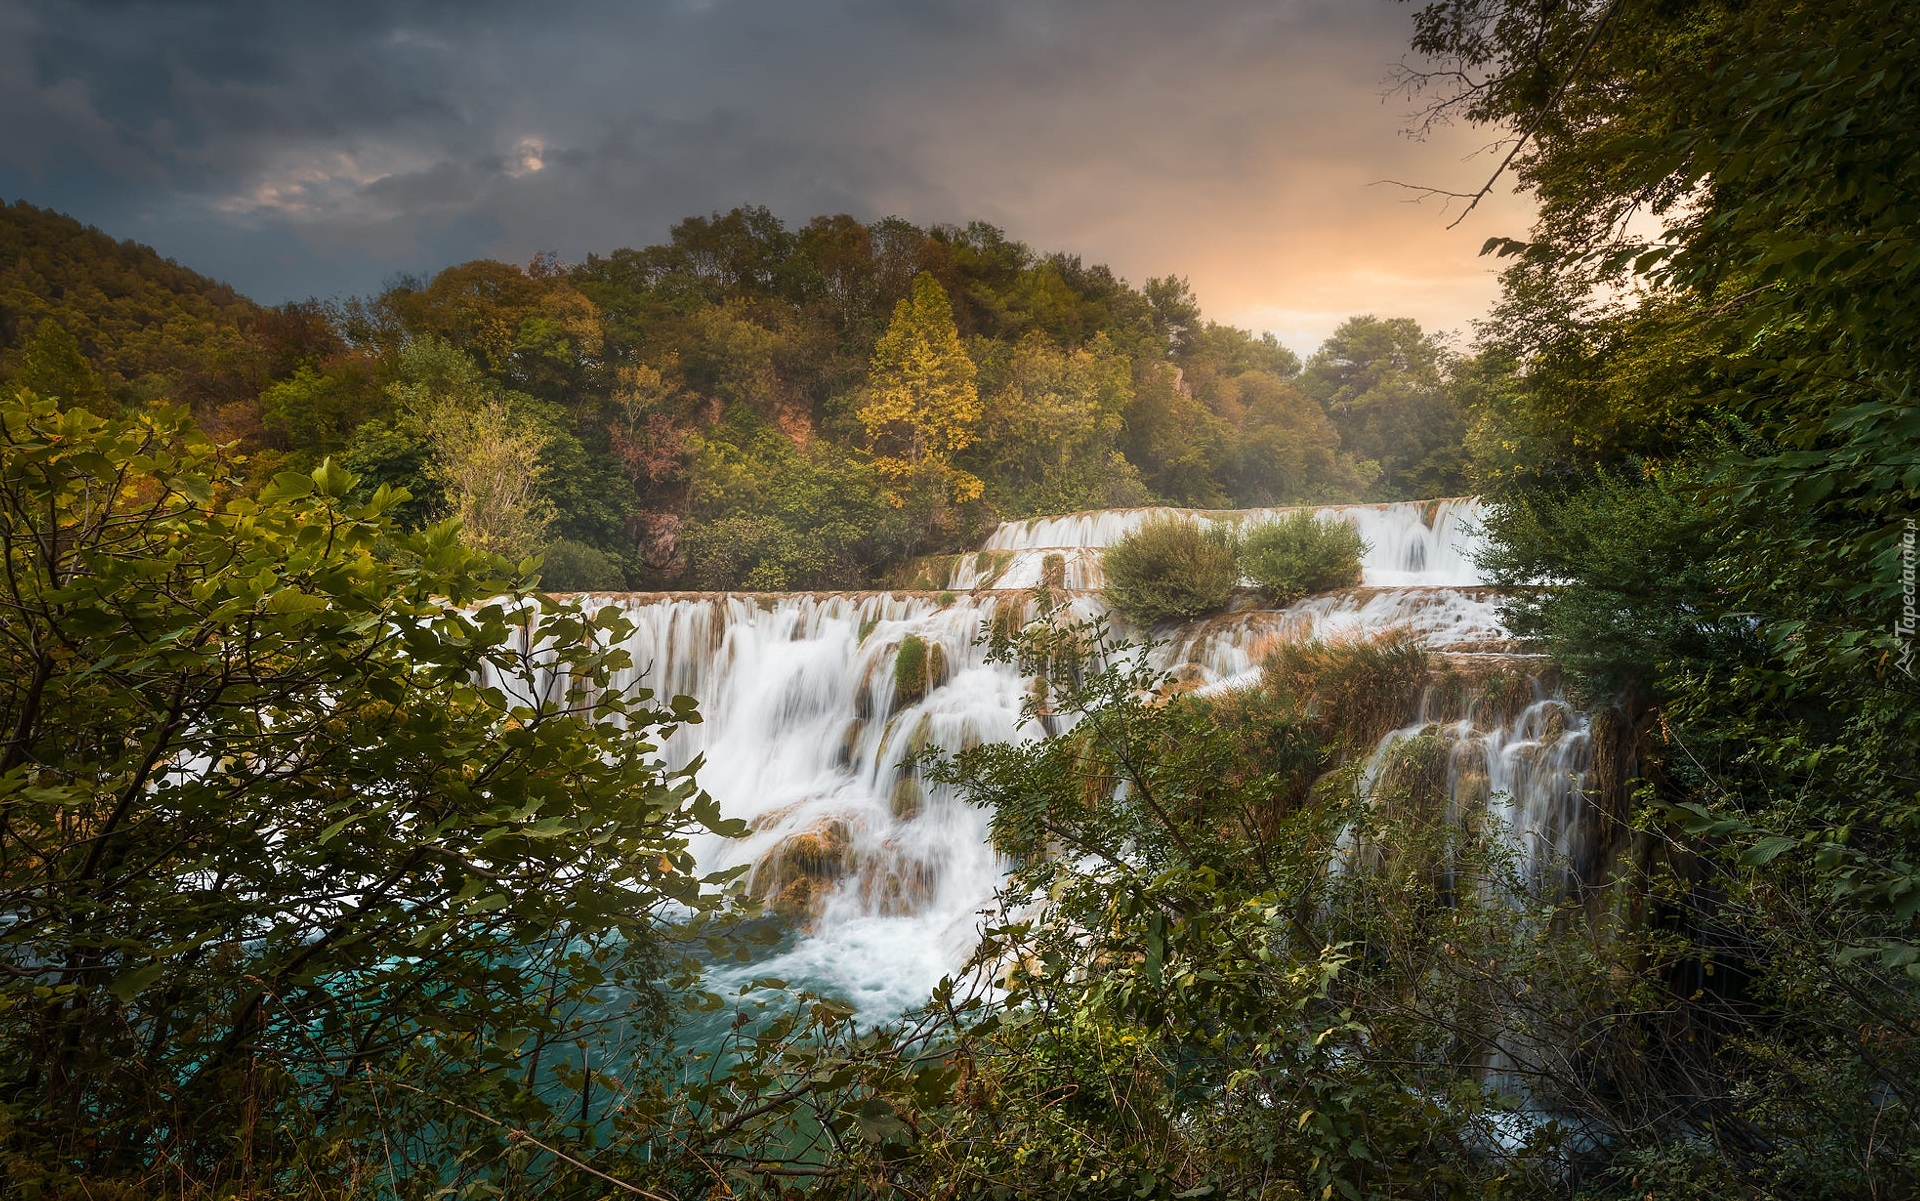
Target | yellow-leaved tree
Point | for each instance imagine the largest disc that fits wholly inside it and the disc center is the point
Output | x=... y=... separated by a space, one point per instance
x=487 y=449
x=921 y=405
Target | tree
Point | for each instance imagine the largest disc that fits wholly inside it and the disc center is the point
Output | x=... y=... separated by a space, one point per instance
x=920 y=404
x=486 y=453
x=1563 y=383
x=532 y=329
x=1381 y=383
x=1730 y=476
x=488 y=465
x=52 y=365
x=398 y=455
x=1174 y=440
x=765 y=515
x=1284 y=447
x=1176 y=314
x=316 y=862
x=1050 y=430
x=316 y=413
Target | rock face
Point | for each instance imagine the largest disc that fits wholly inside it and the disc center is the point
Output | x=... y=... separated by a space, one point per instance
x=658 y=536
x=815 y=705
x=795 y=877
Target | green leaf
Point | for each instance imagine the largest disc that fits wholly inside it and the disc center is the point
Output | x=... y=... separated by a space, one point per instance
x=288 y=485
x=1767 y=850
x=292 y=601
x=332 y=832
x=877 y=1121
x=334 y=481
x=127 y=984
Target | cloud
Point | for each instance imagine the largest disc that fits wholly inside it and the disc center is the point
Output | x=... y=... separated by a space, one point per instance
x=294 y=148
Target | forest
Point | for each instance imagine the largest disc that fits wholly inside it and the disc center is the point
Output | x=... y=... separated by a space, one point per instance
x=706 y=413
x=335 y=862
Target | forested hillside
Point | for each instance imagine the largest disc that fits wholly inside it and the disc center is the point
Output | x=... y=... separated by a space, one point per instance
x=113 y=324
x=712 y=411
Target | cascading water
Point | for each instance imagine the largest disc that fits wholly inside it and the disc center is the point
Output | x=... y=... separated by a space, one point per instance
x=804 y=732
x=1526 y=764
x=807 y=727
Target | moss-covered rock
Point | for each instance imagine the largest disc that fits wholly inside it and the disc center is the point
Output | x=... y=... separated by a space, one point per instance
x=796 y=876
x=919 y=667
x=1053 y=571
x=910 y=670
x=908 y=797
x=1006 y=621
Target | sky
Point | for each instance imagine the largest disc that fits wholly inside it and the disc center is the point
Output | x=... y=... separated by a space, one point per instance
x=299 y=149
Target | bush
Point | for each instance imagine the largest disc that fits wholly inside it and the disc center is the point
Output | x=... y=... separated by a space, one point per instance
x=1299 y=554
x=1350 y=692
x=328 y=860
x=1171 y=567
x=569 y=566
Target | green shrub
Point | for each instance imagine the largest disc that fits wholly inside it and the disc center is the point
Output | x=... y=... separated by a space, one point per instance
x=1171 y=567
x=569 y=566
x=1299 y=555
x=1351 y=692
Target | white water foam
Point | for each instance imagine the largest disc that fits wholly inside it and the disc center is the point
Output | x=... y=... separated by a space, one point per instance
x=1532 y=771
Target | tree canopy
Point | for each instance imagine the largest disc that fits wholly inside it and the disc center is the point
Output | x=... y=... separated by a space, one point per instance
x=920 y=407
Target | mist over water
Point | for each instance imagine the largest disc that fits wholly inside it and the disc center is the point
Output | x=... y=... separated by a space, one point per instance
x=808 y=736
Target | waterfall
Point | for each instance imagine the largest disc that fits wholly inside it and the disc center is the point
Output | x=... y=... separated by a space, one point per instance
x=1409 y=543
x=805 y=727
x=803 y=735
x=1527 y=762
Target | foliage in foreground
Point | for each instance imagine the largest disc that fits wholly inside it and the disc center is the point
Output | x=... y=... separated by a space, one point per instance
x=1171 y=567
x=1706 y=439
x=1299 y=554
x=1198 y=1003
x=1226 y=974
x=307 y=853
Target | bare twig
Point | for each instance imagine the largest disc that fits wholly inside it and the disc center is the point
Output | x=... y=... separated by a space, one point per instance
x=1473 y=199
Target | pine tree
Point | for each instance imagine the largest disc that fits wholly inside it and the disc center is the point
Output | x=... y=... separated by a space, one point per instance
x=921 y=405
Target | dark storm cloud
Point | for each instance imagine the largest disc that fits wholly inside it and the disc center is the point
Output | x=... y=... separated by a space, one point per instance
x=294 y=148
